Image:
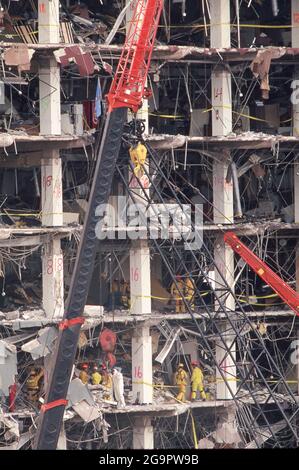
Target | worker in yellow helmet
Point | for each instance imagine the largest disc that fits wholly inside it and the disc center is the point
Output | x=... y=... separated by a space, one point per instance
x=189 y=289
x=138 y=154
x=96 y=377
x=83 y=376
x=125 y=294
x=107 y=383
x=33 y=385
x=177 y=291
x=197 y=382
x=181 y=380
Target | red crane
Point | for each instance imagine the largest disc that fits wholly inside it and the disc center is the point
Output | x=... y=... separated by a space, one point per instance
x=128 y=87
x=285 y=292
x=127 y=91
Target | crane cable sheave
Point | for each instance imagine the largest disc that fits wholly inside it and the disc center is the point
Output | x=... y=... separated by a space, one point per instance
x=129 y=84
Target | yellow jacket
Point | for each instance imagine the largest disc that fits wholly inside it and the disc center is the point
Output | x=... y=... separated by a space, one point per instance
x=174 y=290
x=138 y=156
x=33 y=381
x=181 y=377
x=197 y=375
x=107 y=381
x=189 y=288
x=83 y=376
x=96 y=378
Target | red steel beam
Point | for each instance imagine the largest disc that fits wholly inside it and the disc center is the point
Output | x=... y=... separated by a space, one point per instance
x=285 y=292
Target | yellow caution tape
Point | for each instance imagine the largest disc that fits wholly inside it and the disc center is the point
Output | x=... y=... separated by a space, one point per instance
x=189 y=297
x=243 y=25
x=270 y=296
x=205 y=293
x=257 y=304
x=248 y=116
x=38 y=215
x=167 y=116
x=194 y=432
x=216 y=381
x=253 y=118
x=13 y=214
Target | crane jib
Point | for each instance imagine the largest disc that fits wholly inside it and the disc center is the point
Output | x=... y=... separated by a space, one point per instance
x=126 y=92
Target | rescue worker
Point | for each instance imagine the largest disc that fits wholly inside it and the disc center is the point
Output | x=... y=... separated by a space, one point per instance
x=197 y=382
x=125 y=294
x=13 y=392
x=114 y=298
x=181 y=380
x=33 y=385
x=118 y=387
x=189 y=290
x=177 y=291
x=96 y=377
x=106 y=383
x=138 y=154
x=83 y=376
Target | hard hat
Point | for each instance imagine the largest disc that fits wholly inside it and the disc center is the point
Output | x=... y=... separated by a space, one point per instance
x=194 y=363
x=85 y=366
x=103 y=366
x=95 y=368
x=180 y=366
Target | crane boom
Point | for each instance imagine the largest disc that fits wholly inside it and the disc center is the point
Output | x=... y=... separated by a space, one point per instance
x=128 y=87
x=126 y=92
x=285 y=292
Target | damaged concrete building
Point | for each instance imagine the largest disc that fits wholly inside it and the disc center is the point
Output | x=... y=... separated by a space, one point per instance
x=221 y=132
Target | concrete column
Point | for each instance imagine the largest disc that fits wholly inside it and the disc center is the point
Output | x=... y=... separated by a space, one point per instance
x=142 y=366
x=141 y=304
x=51 y=194
x=140 y=278
x=222 y=190
x=143 y=433
x=51 y=173
x=52 y=262
x=220 y=23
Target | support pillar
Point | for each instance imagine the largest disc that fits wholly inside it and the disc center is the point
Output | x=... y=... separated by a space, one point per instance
x=143 y=434
x=223 y=193
x=141 y=304
x=51 y=170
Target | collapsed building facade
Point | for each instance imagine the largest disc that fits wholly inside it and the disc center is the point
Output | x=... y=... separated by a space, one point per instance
x=221 y=138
